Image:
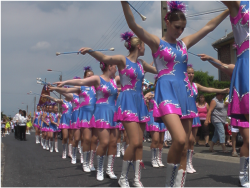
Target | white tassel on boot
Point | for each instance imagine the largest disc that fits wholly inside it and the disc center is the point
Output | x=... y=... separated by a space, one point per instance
x=85 y=164
x=73 y=159
x=99 y=171
x=110 y=171
x=123 y=180
x=91 y=160
x=153 y=158
x=56 y=147
x=51 y=146
x=172 y=170
x=188 y=167
x=243 y=174
x=64 y=153
x=137 y=179
x=159 y=157
x=118 y=150
x=70 y=150
x=47 y=144
x=123 y=145
x=180 y=178
x=79 y=147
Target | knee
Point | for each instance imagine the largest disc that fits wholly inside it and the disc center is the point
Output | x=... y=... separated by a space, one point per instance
x=191 y=140
x=155 y=142
x=180 y=142
x=87 y=140
x=104 y=143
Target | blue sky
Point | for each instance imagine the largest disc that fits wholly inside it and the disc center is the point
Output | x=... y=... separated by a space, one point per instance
x=32 y=32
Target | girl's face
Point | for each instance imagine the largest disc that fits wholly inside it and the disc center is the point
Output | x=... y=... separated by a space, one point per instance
x=190 y=72
x=89 y=74
x=202 y=99
x=113 y=70
x=175 y=28
x=38 y=108
x=55 y=109
x=141 y=49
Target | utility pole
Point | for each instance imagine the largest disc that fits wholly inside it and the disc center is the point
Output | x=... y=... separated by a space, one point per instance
x=27 y=110
x=60 y=106
x=164 y=10
x=34 y=103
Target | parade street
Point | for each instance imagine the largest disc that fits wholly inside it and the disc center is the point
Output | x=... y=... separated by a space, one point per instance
x=26 y=164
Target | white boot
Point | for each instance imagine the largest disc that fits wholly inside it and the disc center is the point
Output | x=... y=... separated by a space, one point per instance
x=73 y=159
x=56 y=147
x=64 y=152
x=243 y=175
x=38 y=139
x=153 y=158
x=172 y=170
x=118 y=146
x=81 y=158
x=110 y=171
x=44 y=143
x=137 y=179
x=91 y=160
x=79 y=147
x=159 y=157
x=70 y=151
x=85 y=164
x=191 y=160
x=123 y=181
x=47 y=144
x=180 y=178
x=99 y=171
x=188 y=167
x=51 y=146
x=123 y=145
x=41 y=141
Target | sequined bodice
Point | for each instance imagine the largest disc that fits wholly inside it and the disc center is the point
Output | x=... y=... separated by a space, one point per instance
x=106 y=93
x=87 y=96
x=37 y=115
x=75 y=102
x=240 y=25
x=66 y=107
x=132 y=76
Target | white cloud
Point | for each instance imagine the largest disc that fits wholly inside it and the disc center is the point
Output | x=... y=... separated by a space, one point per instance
x=41 y=45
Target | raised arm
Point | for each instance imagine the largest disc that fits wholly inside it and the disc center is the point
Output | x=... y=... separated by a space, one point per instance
x=53 y=99
x=118 y=60
x=148 y=67
x=151 y=40
x=223 y=66
x=211 y=90
x=233 y=7
x=211 y=108
x=90 y=81
x=210 y=26
x=66 y=90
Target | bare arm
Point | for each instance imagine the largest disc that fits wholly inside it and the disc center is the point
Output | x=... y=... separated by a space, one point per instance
x=211 y=108
x=211 y=90
x=34 y=117
x=66 y=90
x=210 y=26
x=233 y=7
x=148 y=67
x=43 y=119
x=151 y=40
x=117 y=79
x=223 y=66
x=118 y=60
x=53 y=99
x=90 y=81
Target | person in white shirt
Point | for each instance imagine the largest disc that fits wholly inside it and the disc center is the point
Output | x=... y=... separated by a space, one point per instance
x=22 y=120
x=15 y=120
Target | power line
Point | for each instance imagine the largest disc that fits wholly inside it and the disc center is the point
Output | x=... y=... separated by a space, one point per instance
x=204 y=13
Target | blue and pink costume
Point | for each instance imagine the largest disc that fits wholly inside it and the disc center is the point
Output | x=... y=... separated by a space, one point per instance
x=239 y=88
x=196 y=119
x=37 y=114
x=45 y=127
x=131 y=105
x=106 y=94
x=74 y=122
x=152 y=125
x=66 y=115
x=173 y=87
x=87 y=100
x=53 y=127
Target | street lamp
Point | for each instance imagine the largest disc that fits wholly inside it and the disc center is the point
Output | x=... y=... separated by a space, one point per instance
x=60 y=78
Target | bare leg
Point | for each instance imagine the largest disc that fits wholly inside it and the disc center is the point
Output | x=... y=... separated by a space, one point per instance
x=112 y=141
x=76 y=133
x=65 y=136
x=139 y=149
x=86 y=139
x=71 y=136
x=244 y=151
x=155 y=139
x=192 y=138
x=94 y=139
x=103 y=135
x=234 y=142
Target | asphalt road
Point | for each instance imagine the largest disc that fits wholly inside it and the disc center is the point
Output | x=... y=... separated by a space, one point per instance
x=25 y=163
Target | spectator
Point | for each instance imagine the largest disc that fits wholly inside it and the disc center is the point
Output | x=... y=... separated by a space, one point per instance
x=202 y=108
x=218 y=114
x=22 y=120
x=3 y=124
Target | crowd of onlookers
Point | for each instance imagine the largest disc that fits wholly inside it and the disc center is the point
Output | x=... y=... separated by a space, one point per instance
x=20 y=124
